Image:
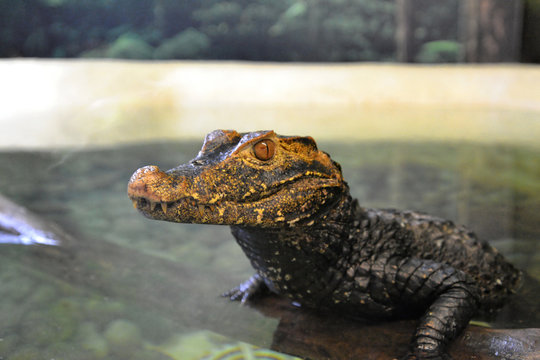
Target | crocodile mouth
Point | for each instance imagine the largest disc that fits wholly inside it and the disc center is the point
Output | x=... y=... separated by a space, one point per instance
x=308 y=180
x=158 y=195
x=247 y=209
x=150 y=207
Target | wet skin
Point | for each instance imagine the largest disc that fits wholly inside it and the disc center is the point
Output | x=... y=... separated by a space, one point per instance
x=291 y=212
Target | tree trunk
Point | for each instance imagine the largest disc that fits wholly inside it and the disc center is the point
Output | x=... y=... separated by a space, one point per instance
x=491 y=30
x=404 y=30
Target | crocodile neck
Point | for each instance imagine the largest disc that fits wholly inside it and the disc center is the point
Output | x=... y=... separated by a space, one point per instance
x=293 y=260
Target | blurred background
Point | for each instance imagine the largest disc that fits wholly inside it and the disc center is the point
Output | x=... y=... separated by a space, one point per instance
x=428 y=105
x=290 y=65
x=282 y=30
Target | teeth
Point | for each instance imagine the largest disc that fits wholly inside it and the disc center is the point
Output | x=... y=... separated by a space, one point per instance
x=153 y=204
x=202 y=209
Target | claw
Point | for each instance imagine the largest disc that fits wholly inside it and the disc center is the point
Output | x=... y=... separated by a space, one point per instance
x=246 y=290
x=245 y=298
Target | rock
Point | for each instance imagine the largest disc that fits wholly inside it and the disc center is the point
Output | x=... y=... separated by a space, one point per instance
x=92 y=341
x=123 y=337
x=191 y=346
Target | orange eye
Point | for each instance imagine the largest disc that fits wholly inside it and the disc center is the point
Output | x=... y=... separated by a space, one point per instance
x=264 y=150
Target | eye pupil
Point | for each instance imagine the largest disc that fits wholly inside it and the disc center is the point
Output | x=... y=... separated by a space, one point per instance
x=264 y=150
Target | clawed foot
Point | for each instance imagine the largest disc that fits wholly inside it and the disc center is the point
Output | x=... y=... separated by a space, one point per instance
x=246 y=290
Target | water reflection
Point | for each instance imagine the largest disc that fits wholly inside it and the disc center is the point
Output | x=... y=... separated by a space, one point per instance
x=18 y=226
x=123 y=286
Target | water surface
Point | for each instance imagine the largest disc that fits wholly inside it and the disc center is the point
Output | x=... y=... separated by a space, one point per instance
x=125 y=286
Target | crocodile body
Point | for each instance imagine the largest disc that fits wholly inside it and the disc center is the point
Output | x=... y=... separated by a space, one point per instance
x=291 y=212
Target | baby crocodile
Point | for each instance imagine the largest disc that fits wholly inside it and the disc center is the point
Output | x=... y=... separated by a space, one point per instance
x=291 y=212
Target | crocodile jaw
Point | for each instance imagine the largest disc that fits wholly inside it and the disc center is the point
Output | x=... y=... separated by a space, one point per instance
x=230 y=183
x=161 y=196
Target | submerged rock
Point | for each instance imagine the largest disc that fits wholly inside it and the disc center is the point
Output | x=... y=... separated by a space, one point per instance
x=92 y=341
x=19 y=226
x=123 y=337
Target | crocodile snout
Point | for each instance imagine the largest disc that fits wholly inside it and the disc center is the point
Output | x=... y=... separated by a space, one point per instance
x=144 y=181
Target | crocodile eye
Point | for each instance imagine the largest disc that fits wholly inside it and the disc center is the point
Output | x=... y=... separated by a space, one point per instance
x=264 y=150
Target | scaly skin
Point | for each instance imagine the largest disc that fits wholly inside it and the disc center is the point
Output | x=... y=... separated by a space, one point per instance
x=290 y=211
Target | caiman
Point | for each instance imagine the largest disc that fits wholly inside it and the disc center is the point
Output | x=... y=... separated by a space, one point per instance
x=291 y=212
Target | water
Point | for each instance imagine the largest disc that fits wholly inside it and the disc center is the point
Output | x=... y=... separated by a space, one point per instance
x=125 y=286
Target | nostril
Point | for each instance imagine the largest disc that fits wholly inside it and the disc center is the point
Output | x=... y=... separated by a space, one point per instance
x=149 y=169
x=196 y=162
x=144 y=172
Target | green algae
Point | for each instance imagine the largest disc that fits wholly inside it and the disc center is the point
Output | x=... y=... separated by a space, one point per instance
x=123 y=337
x=207 y=345
x=192 y=345
x=91 y=340
x=25 y=352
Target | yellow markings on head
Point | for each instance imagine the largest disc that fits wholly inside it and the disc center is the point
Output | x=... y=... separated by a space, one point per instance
x=215 y=199
x=287 y=179
x=315 y=173
x=249 y=192
x=260 y=213
x=221 y=211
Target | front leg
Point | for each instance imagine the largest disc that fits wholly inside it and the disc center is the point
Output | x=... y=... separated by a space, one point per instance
x=246 y=290
x=451 y=295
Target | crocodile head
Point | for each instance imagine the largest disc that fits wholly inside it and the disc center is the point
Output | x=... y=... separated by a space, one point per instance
x=250 y=179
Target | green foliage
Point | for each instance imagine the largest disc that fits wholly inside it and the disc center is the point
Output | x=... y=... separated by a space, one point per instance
x=189 y=44
x=442 y=51
x=339 y=30
x=129 y=46
x=224 y=12
x=36 y=43
x=277 y=30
